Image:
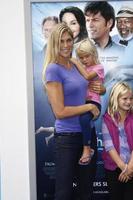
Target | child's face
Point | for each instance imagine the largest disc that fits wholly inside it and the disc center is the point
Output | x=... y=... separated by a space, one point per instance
x=125 y=102
x=86 y=59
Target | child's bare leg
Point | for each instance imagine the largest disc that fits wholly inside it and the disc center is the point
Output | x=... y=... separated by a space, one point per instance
x=86 y=155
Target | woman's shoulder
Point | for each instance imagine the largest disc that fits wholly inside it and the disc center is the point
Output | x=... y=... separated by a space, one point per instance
x=53 y=72
x=52 y=67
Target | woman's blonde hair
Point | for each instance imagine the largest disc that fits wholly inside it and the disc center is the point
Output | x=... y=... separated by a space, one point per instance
x=117 y=91
x=53 y=45
x=85 y=47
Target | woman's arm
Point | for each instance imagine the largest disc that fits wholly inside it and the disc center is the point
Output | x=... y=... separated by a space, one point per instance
x=80 y=67
x=96 y=85
x=56 y=98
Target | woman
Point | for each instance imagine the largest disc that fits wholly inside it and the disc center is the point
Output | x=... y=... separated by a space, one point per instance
x=75 y=19
x=118 y=142
x=66 y=89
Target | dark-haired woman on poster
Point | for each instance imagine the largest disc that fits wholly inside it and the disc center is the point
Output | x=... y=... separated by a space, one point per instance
x=75 y=19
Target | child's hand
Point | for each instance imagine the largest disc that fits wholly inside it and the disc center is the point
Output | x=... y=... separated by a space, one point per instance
x=130 y=169
x=123 y=177
x=74 y=61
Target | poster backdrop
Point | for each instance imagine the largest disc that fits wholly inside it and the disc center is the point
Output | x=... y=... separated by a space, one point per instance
x=117 y=66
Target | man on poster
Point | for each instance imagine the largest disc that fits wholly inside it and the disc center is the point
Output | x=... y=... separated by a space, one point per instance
x=124 y=24
x=100 y=20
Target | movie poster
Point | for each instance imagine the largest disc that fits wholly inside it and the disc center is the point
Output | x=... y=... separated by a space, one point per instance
x=117 y=61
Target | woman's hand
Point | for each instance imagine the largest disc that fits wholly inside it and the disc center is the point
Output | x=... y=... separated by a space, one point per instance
x=97 y=86
x=94 y=110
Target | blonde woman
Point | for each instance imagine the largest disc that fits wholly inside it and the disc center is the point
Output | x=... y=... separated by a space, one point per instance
x=66 y=89
x=89 y=66
x=118 y=142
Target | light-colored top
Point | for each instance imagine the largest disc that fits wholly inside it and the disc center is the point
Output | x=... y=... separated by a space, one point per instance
x=125 y=152
x=74 y=88
x=111 y=56
x=93 y=96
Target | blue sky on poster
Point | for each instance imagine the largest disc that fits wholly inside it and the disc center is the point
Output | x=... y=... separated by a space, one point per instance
x=39 y=10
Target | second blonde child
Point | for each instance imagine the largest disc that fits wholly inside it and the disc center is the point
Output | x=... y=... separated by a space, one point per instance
x=117 y=129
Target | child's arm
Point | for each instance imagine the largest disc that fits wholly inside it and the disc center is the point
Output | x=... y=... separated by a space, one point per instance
x=109 y=147
x=130 y=165
x=87 y=75
x=127 y=174
x=124 y=176
x=117 y=159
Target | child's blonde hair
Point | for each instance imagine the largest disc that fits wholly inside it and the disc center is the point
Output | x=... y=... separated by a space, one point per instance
x=86 y=47
x=117 y=91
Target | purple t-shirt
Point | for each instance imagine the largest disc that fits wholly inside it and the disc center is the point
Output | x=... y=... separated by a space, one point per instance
x=74 y=88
